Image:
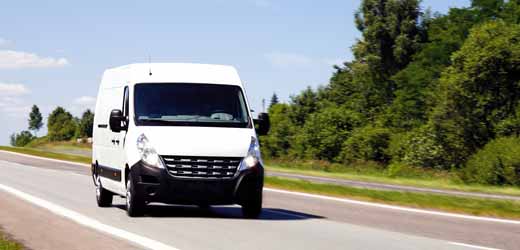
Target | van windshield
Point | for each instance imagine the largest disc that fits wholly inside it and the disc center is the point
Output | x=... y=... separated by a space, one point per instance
x=190 y=104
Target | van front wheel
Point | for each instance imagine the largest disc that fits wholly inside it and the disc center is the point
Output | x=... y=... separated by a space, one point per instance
x=135 y=204
x=252 y=208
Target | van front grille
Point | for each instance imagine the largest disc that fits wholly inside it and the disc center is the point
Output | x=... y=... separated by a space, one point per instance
x=202 y=167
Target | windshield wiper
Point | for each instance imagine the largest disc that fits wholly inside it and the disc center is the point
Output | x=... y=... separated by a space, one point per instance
x=155 y=120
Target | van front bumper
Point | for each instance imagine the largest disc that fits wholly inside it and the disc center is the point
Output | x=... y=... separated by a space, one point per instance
x=157 y=185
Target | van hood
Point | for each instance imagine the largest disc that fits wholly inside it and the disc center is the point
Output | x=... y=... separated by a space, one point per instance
x=198 y=141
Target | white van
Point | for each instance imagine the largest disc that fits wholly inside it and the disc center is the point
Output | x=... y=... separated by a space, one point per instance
x=178 y=134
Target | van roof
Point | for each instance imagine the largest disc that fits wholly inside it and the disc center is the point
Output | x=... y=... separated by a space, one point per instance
x=170 y=72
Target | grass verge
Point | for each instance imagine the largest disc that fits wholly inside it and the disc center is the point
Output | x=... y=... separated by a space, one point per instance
x=8 y=244
x=426 y=179
x=44 y=142
x=473 y=206
x=36 y=152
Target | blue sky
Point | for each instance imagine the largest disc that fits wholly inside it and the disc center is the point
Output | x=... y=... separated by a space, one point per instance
x=54 y=52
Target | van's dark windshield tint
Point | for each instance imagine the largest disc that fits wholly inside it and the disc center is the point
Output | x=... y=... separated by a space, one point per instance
x=189 y=104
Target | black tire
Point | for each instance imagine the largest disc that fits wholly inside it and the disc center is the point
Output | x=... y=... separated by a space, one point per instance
x=103 y=196
x=135 y=204
x=252 y=208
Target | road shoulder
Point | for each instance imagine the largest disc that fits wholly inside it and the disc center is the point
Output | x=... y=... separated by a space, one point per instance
x=36 y=228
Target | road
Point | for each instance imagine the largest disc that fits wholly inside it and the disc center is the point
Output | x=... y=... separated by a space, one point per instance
x=51 y=205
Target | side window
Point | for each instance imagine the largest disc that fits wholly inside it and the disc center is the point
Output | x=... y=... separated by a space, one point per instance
x=126 y=104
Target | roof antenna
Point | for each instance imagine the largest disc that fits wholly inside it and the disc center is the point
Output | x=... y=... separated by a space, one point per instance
x=150 y=65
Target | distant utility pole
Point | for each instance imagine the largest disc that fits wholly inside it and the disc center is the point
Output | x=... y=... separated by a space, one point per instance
x=263 y=105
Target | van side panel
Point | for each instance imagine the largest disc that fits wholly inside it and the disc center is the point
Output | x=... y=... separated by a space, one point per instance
x=105 y=152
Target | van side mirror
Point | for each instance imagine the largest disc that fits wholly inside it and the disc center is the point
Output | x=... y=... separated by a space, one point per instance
x=115 y=121
x=262 y=124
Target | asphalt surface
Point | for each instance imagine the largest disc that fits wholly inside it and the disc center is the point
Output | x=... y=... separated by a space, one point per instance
x=288 y=221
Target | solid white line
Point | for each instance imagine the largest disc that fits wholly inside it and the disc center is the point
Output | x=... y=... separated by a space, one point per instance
x=472 y=246
x=405 y=209
x=86 y=221
x=45 y=158
x=363 y=203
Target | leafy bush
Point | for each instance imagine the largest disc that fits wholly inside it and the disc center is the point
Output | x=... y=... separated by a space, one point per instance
x=61 y=125
x=277 y=142
x=324 y=133
x=498 y=163
x=366 y=143
x=21 y=139
x=418 y=147
x=38 y=141
x=509 y=126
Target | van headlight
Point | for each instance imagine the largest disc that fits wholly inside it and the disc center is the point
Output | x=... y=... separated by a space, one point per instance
x=253 y=155
x=148 y=153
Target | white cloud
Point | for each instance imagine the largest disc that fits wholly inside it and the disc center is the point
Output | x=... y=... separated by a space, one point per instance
x=12 y=89
x=4 y=42
x=20 y=111
x=10 y=59
x=11 y=102
x=81 y=104
x=285 y=60
x=85 y=100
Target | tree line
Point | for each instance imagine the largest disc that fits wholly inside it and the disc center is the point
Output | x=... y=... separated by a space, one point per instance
x=61 y=126
x=423 y=90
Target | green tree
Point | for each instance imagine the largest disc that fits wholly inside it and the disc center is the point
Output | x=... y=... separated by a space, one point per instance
x=479 y=90
x=86 y=124
x=511 y=11
x=274 y=100
x=416 y=85
x=61 y=125
x=35 y=119
x=303 y=105
x=278 y=141
x=424 y=90
x=391 y=35
x=12 y=139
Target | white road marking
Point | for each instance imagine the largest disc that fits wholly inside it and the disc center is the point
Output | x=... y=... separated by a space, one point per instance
x=404 y=209
x=363 y=203
x=88 y=222
x=472 y=246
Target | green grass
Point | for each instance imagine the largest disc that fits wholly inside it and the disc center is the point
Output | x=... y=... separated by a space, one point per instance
x=473 y=206
x=372 y=172
x=44 y=142
x=42 y=153
x=8 y=244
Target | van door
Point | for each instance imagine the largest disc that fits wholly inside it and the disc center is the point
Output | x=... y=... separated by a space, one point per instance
x=109 y=162
x=120 y=140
